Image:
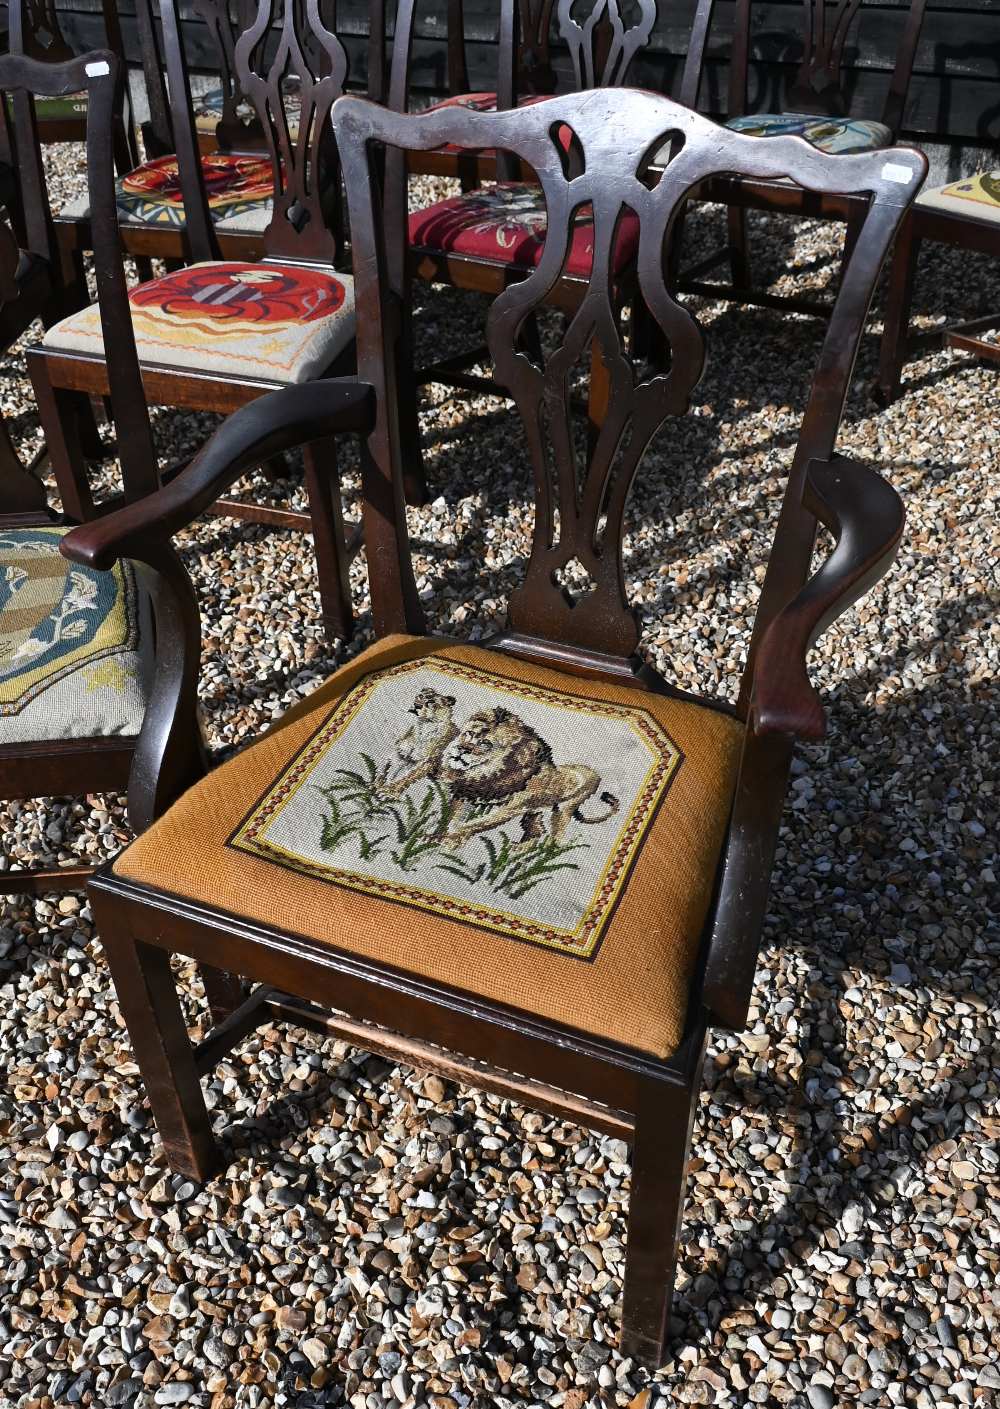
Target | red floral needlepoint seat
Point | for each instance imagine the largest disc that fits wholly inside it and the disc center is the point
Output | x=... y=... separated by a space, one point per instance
x=239 y=189
x=506 y=224
x=270 y=322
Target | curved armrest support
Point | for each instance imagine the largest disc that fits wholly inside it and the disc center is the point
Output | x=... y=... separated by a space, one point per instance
x=866 y=516
x=281 y=420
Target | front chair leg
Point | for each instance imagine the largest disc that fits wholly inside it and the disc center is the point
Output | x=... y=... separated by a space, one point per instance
x=148 y=999
x=333 y=562
x=659 y=1175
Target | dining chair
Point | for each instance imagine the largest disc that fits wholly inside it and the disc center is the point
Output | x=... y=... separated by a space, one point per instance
x=220 y=332
x=819 y=111
x=489 y=236
x=965 y=215
x=532 y=864
x=158 y=217
x=34 y=29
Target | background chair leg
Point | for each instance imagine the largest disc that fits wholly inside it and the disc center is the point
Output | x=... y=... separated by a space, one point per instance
x=899 y=299
x=739 y=247
x=659 y=1175
x=152 y=1013
x=414 y=480
x=332 y=556
x=63 y=414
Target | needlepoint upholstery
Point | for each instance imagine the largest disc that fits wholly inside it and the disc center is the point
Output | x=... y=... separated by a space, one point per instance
x=506 y=224
x=975 y=197
x=272 y=322
x=239 y=190
x=73 y=658
x=538 y=839
x=839 y=135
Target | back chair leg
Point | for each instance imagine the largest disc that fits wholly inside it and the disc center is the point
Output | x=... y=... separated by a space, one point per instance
x=152 y=1013
x=332 y=555
x=899 y=299
x=739 y=247
x=659 y=1174
x=63 y=415
x=414 y=481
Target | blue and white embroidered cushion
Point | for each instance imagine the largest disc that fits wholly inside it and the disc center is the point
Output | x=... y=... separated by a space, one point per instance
x=73 y=657
x=838 y=135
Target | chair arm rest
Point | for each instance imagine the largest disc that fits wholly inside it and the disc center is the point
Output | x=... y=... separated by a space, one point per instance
x=866 y=516
x=281 y=420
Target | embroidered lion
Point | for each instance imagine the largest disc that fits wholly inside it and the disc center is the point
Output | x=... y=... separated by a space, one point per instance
x=419 y=749
x=498 y=769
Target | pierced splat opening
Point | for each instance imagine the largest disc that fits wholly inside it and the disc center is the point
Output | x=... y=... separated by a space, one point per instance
x=298 y=216
x=570 y=150
x=574 y=581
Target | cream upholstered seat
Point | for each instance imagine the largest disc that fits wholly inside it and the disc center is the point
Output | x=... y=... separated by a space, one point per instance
x=974 y=197
x=268 y=321
x=74 y=662
x=537 y=839
x=239 y=190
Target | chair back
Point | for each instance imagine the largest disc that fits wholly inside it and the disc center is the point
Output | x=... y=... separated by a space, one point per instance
x=603 y=37
x=582 y=474
x=819 y=85
x=100 y=75
x=284 y=40
x=22 y=495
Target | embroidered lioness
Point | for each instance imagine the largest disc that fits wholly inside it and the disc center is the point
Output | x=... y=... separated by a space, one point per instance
x=419 y=749
x=497 y=769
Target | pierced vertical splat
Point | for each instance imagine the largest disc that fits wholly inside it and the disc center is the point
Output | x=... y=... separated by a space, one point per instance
x=534 y=69
x=825 y=30
x=300 y=155
x=582 y=481
x=603 y=42
x=225 y=20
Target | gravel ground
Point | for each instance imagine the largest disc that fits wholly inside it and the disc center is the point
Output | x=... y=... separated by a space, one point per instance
x=384 y=1240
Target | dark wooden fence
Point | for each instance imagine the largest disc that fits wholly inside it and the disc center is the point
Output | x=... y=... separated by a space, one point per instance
x=954 y=97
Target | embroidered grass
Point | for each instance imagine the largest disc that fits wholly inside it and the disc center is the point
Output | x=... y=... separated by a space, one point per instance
x=410 y=832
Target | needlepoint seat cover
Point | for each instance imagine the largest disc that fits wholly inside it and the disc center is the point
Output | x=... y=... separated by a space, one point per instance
x=74 y=662
x=538 y=839
x=239 y=189
x=269 y=321
x=839 y=135
x=506 y=224
x=974 y=197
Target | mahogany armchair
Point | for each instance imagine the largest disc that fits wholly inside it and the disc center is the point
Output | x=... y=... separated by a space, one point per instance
x=76 y=647
x=219 y=333
x=533 y=864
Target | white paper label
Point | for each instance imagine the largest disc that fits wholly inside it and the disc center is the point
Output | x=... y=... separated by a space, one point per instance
x=893 y=171
x=97 y=70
